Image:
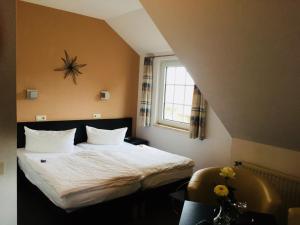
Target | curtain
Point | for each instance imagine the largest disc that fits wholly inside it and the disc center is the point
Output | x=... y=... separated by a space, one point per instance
x=198 y=115
x=146 y=100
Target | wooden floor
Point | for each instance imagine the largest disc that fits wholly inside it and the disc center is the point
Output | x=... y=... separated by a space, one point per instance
x=35 y=209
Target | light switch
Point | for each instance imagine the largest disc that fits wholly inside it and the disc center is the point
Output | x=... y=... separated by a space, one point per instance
x=97 y=116
x=40 y=117
x=1 y=168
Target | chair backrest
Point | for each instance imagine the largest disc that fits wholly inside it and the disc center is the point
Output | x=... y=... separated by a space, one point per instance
x=294 y=216
x=257 y=192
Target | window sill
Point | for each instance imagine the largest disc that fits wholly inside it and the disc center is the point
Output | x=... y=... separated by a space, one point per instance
x=171 y=128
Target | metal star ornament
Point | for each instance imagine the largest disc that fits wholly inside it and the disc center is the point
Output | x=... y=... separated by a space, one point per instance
x=71 y=67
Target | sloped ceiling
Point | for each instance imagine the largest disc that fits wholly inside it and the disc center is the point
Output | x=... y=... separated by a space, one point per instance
x=126 y=17
x=101 y=9
x=245 y=57
x=139 y=31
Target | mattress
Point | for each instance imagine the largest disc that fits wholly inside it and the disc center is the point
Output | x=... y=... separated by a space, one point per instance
x=75 y=200
x=158 y=167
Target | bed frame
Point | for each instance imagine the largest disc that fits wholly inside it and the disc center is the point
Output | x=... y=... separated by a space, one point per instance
x=139 y=197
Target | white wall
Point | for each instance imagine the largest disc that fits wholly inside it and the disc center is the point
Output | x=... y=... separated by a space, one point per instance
x=213 y=151
x=244 y=55
x=277 y=158
x=8 y=194
x=219 y=148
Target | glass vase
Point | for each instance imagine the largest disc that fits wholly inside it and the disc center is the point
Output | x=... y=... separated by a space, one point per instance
x=222 y=218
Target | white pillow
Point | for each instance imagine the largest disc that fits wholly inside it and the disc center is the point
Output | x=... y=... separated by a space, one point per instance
x=105 y=137
x=49 y=141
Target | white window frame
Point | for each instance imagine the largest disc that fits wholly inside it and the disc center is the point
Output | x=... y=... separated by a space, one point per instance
x=161 y=72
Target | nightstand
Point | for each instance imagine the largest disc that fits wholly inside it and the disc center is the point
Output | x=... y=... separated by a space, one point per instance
x=177 y=199
x=136 y=141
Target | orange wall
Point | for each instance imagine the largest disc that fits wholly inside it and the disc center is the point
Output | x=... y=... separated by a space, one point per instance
x=42 y=35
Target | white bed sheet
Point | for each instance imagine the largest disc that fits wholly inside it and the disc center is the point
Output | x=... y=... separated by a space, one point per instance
x=75 y=200
x=158 y=167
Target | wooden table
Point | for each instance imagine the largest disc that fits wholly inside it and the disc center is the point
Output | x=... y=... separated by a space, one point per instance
x=193 y=212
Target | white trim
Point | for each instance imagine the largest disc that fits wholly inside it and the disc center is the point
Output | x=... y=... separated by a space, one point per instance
x=158 y=93
x=180 y=130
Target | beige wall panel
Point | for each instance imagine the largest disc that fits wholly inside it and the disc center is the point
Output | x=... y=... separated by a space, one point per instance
x=8 y=193
x=245 y=57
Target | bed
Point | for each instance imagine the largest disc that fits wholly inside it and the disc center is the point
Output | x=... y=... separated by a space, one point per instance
x=141 y=169
x=157 y=167
x=75 y=188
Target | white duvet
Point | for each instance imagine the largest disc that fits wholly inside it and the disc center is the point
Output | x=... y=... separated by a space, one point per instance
x=96 y=173
x=148 y=160
x=83 y=170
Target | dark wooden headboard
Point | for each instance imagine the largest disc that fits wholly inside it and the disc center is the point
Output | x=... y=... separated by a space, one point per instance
x=80 y=135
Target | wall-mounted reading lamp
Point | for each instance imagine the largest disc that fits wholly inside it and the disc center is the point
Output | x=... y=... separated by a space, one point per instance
x=32 y=94
x=104 y=95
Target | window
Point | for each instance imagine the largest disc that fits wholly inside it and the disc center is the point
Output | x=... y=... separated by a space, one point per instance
x=175 y=95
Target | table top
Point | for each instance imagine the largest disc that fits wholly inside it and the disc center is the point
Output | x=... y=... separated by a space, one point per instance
x=193 y=212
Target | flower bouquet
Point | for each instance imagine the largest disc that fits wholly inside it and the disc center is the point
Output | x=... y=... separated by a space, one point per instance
x=230 y=209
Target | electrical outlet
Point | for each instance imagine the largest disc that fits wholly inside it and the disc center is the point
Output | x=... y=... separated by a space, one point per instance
x=1 y=168
x=97 y=116
x=40 y=117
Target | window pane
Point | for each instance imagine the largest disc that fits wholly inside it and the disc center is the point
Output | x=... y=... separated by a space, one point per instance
x=169 y=94
x=187 y=114
x=170 y=75
x=180 y=75
x=179 y=95
x=188 y=95
x=178 y=113
x=168 y=112
x=189 y=79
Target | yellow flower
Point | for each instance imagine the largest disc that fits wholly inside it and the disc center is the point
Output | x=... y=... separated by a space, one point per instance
x=221 y=190
x=227 y=172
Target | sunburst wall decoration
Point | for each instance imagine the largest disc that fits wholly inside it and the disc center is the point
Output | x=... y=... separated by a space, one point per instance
x=70 y=67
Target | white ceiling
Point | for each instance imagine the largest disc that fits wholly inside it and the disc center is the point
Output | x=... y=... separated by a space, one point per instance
x=126 y=17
